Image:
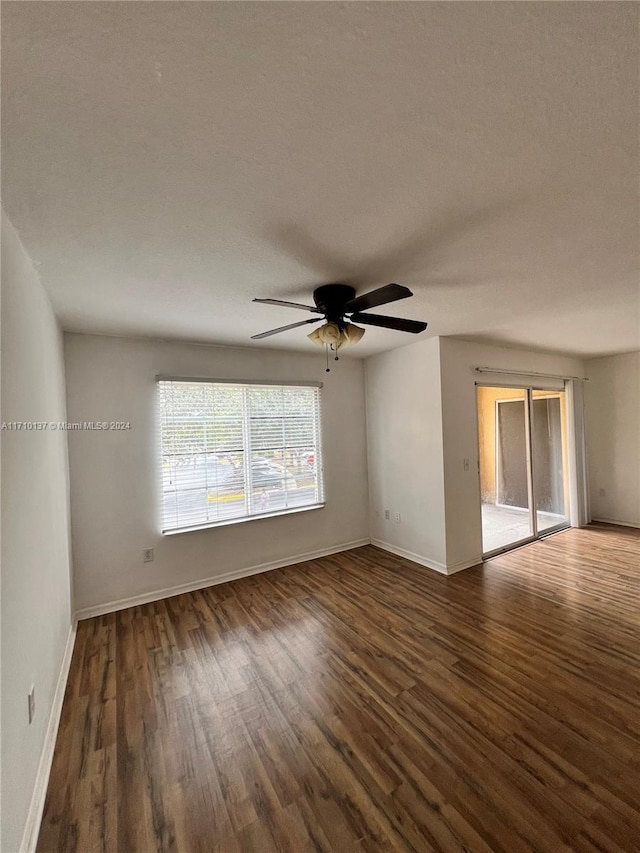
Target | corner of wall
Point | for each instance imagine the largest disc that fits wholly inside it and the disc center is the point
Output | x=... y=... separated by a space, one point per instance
x=405 y=459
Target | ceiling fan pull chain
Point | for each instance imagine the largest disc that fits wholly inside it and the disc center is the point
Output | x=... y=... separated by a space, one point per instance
x=326 y=349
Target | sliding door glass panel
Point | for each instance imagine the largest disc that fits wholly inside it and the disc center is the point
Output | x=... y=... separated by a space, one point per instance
x=504 y=467
x=549 y=451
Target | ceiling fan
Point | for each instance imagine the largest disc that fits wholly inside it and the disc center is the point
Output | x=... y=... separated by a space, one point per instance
x=340 y=308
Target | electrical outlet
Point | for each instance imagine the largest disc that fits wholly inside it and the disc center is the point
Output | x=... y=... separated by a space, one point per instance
x=147 y=555
x=397 y=518
x=31 y=703
x=387 y=514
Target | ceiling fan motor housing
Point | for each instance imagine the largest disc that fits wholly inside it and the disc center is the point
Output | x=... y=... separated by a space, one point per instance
x=331 y=300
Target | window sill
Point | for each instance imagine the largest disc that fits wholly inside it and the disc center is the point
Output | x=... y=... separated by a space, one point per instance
x=244 y=518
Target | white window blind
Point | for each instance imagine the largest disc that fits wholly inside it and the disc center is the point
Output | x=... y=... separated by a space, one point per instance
x=232 y=452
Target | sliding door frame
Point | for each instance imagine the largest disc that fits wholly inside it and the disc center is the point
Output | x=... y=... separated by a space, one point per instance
x=531 y=495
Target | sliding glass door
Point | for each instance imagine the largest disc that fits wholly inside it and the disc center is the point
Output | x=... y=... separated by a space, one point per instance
x=550 y=469
x=523 y=467
x=505 y=480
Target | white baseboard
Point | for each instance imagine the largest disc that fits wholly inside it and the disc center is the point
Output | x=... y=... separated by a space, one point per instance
x=36 y=807
x=158 y=594
x=464 y=564
x=436 y=565
x=409 y=555
x=635 y=524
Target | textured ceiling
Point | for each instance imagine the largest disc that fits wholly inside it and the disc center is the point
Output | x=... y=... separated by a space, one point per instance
x=166 y=162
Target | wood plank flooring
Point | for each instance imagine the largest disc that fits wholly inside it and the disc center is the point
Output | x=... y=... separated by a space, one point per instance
x=363 y=703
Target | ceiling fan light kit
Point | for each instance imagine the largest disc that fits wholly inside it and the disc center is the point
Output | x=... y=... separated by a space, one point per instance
x=339 y=306
x=351 y=334
x=332 y=334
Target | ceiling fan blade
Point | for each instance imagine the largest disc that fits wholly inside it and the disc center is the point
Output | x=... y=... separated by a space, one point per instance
x=285 y=328
x=380 y=296
x=289 y=304
x=397 y=323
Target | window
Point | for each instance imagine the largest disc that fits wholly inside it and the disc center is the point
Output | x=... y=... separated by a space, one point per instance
x=231 y=452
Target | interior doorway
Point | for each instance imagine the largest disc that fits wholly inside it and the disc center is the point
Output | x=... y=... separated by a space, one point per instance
x=523 y=464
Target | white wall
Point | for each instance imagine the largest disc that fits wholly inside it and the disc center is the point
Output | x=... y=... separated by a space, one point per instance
x=35 y=529
x=114 y=475
x=404 y=437
x=462 y=488
x=612 y=397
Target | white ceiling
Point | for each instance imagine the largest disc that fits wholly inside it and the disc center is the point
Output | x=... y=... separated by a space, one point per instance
x=166 y=162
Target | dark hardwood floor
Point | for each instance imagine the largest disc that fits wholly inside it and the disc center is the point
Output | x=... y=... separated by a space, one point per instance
x=363 y=703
